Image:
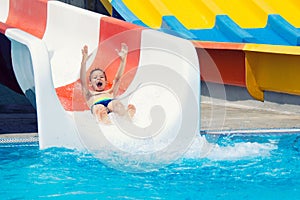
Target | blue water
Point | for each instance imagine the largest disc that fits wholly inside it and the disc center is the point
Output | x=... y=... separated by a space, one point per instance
x=240 y=167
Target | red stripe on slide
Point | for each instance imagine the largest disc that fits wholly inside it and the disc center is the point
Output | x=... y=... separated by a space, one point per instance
x=70 y=94
x=222 y=62
x=3 y=27
x=28 y=15
x=71 y=97
x=113 y=32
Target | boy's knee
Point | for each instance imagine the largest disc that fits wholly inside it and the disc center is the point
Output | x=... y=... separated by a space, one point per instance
x=98 y=108
x=116 y=106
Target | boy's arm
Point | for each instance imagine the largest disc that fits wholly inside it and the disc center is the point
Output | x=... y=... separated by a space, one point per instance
x=123 y=56
x=86 y=91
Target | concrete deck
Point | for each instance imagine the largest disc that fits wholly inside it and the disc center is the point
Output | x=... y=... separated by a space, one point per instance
x=233 y=117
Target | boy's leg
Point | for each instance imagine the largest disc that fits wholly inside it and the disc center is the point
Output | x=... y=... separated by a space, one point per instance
x=131 y=110
x=117 y=107
x=100 y=111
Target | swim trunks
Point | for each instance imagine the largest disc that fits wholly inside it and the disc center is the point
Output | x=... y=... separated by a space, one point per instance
x=104 y=102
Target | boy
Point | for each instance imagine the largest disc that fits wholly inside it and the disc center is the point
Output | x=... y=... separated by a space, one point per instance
x=101 y=101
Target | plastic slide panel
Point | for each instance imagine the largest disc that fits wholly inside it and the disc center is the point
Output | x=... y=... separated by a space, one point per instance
x=192 y=14
x=53 y=130
x=4 y=12
x=288 y=9
x=277 y=31
x=172 y=26
x=55 y=126
x=28 y=15
x=4 y=9
x=246 y=14
x=222 y=63
x=53 y=62
x=265 y=24
x=269 y=69
x=225 y=30
x=114 y=32
x=157 y=50
x=151 y=12
x=284 y=29
x=30 y=58
x=126 y=14
x=270 y=29
x=257 y=67
x=64 y=41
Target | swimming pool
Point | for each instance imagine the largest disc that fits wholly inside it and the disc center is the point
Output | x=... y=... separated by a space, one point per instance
x=241 y=166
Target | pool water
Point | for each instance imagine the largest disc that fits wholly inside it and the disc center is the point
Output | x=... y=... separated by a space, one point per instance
x=239 y=167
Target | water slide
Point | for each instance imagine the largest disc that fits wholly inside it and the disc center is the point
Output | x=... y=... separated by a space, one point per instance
x=249 y=43
x=45 y=61
x=162 y=77
x=248 y=21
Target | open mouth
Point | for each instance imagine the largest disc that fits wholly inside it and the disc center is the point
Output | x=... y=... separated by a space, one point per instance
x=99 y=84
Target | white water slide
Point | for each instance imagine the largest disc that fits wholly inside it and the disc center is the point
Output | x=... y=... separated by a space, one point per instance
x=162 y=79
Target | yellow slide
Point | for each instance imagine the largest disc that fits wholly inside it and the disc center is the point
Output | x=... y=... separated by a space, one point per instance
x=288 y=9
x=201 y=14
x=246 y=13
x=148 y=11
x=193 y=14
x=250 y=21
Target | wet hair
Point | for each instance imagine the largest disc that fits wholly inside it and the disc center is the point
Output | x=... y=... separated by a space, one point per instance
x=97 y=69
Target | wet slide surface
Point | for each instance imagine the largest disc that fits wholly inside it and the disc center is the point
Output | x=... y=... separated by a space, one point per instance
x=47 y=60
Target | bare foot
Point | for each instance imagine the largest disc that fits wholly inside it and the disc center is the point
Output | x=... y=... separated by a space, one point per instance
x=101 y=114
x=131 y=110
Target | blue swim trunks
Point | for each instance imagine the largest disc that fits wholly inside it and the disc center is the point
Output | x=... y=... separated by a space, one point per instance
x=103 y=101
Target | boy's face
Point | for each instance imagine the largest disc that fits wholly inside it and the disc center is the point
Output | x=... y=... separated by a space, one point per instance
x=98 y=80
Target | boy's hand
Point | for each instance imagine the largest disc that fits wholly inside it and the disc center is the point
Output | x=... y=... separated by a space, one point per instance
x=123 y=52
x=84 y=52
